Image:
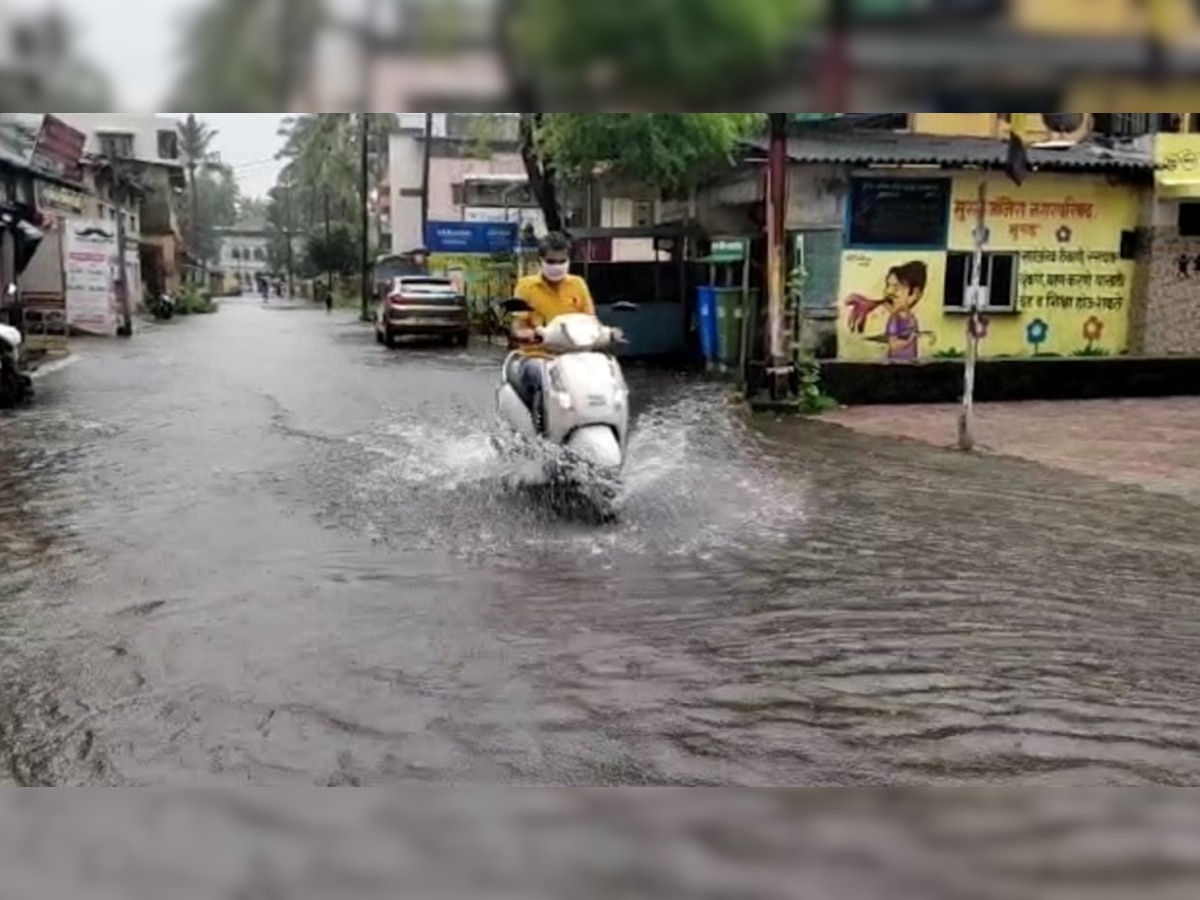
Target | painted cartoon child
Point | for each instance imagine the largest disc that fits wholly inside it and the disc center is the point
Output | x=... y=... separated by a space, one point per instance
x=903 y=289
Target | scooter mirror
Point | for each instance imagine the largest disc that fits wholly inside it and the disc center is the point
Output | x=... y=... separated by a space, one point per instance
x=516 y=305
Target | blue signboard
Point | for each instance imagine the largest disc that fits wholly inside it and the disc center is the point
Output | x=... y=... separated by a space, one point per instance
x=471 y=237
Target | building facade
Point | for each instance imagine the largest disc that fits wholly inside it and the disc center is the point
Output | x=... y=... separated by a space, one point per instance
x=243 y=256
x=882 y=224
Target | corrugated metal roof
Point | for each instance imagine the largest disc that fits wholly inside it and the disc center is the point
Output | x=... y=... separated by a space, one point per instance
x=868 y=147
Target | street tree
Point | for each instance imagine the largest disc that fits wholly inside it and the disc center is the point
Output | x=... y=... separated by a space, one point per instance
x=335 y=253
x=675 y=53
x=666 y=151
x=217 y=199
x=323 y=159
x=196 y=139
x=245 y=55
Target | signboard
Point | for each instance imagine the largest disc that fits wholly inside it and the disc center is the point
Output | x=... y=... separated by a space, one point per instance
x=89 y=257
x=59 y=149
x=45 y=321
x=899 y=212
x=520 y=215
x=471 y=237
x=51 y=197
x=727 y=251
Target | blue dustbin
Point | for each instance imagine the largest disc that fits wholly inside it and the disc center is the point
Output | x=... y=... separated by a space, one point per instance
x=706 y=321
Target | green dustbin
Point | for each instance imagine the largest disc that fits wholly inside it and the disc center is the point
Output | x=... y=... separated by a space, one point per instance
x=731 y=319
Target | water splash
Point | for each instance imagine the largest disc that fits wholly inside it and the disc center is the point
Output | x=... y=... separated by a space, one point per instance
x=698 y=480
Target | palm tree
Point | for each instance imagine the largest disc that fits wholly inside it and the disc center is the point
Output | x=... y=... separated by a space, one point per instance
x=195 y=146
x=323 y=154
x=242 y=55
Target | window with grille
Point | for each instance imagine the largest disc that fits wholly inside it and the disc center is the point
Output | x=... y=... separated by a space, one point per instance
x=116 y=146
x=999 y=281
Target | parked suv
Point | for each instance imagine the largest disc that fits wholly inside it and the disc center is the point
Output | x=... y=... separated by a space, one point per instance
x=422 y=306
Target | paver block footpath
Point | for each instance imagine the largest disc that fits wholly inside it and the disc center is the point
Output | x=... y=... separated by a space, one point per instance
x=1153 y=444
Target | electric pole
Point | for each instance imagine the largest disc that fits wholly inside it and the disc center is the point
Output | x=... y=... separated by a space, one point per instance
x=125 y=329
x=975 y=304
x=779 y=366
x=364 y=139
x=835 y=71
x=287 y=230
x=426 y=163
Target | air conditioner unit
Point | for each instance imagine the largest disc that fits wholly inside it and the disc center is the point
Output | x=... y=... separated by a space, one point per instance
x=1058 y=129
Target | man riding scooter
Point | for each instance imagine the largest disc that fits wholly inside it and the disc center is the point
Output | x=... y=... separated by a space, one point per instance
x=551 y=293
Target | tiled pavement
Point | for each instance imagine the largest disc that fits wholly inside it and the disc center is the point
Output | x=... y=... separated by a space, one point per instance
x=1153 y=444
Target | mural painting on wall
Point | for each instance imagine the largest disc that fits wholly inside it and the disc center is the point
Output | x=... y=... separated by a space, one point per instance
x=887 y=293
x=1064 y=234
x=1057 y=282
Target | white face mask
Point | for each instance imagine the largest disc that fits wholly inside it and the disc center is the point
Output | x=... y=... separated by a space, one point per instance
x=555 y=271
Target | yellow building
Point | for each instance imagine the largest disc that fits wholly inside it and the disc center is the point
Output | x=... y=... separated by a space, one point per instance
x=1058 y=267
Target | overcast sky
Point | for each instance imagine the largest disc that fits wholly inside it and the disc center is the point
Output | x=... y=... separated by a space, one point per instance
x=136 y=43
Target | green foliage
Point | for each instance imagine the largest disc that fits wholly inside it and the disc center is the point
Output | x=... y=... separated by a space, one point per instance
x=322 y=175
x=212 y=194
x=813 y=399
x=1091 y=352
x=661 y=51
x=235 y=54
x=339 y=252
x=194 y=301
x=950 y=353
x=666 y=150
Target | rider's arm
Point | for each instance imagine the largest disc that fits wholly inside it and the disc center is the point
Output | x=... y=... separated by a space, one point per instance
x=522 y=327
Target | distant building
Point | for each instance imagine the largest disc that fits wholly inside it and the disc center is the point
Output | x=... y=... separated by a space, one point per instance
x=473 y=183
x=244 y=255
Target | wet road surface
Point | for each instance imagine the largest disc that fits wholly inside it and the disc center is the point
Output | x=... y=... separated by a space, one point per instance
x=255 y=548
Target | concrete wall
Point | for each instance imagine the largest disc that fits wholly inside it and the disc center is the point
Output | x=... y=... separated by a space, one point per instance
x=405 y=161
x=1166 y=318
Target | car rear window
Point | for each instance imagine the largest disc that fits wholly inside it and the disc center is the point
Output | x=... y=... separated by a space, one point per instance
x=423 y=285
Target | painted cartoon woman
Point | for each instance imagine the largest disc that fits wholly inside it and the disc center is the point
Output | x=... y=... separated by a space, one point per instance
x=902 y=291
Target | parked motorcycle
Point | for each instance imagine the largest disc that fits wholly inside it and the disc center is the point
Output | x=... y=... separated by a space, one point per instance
x=162 y=306
x=16 y=387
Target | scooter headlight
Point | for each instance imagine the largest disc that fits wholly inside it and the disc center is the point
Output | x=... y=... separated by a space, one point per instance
x=563 y=399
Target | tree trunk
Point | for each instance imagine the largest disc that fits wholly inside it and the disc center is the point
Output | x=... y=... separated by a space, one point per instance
x=540 y=172
x=193 y=187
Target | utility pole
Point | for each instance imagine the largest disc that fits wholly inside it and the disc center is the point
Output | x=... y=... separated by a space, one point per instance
x=835 y=72
x=364 y=138
x=426 y=164
x=125 y=329
x=975 y=305
x=779 y=366
x=328 y=235
x=287 y=231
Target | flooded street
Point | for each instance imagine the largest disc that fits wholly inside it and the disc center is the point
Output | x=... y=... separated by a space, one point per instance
x=255 y=548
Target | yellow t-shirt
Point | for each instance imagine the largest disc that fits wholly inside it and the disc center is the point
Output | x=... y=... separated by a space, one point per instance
x=549 y=301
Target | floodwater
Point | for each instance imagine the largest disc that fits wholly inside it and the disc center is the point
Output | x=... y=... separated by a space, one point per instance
x=256 y=549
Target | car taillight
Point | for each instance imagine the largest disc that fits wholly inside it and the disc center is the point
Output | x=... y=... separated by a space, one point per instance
x=396 y=300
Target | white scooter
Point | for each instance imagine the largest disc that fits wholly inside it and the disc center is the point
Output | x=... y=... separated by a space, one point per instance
x=586 y=407
x=16 y=387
